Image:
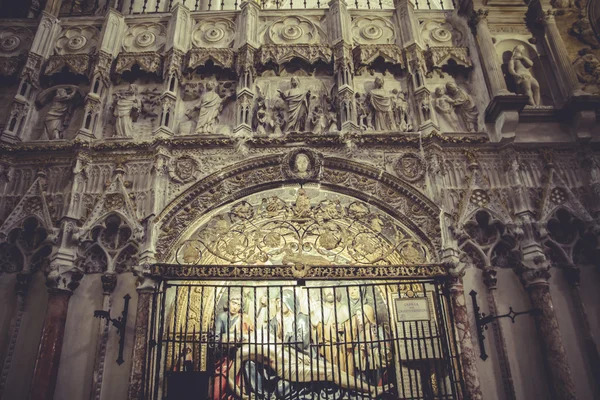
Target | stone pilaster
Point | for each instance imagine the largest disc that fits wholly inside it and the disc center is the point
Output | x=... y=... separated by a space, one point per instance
x=22 y=287
x=490 y=280
x=246 y=43
x=140 y=342
x=468 y=358
x=550 y=339
x=113 y=27
x=22 y=105
x=60 y=288
x=109 y=282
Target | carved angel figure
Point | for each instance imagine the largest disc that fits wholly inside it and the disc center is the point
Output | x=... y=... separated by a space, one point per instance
x=519 y=67
x=127 y=106
x=58 y=117
x=297 y=101
x=381 y=101
x=209 y=108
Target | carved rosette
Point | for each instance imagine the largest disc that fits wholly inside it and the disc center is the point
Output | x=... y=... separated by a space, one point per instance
x=294 y=29
x=150 y=37
x=223 y=58
x=148 y=61
x=214 y=33
x=281 y=54
x=373 y=30
x=77 y=40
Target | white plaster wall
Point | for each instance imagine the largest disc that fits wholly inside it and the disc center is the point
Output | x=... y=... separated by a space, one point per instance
x=79 y=346
x=116 y=377
x=8 y=299
x=490 y=375
x=21 y=372
x=571 y=331
x=524 y=352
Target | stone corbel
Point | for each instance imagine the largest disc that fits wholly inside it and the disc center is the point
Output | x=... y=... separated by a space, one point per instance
x=149 y=61
x=63 y=277
x=78 y=64
x=281 y=54
x=221 y=57
x=366 y=54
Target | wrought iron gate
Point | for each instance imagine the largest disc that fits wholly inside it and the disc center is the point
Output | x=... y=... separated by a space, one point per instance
x=322 y=340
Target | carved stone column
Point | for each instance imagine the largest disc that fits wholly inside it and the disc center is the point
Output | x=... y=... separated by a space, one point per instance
x=568 y=80
x=553 y=349
x=489 y=58
x=109 y=282
x=140 y=342
x=572 y=274
x=22 y=286
x=468 y=358
x=490 y=280
x=61 y=287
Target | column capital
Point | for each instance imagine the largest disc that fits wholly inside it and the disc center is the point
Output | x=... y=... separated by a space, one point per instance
x=476 y=17
x=532 y=277
x=109 y=282
x=489 y=278
x=63 y=278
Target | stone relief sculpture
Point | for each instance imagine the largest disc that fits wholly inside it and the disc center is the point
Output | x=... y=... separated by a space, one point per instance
x=400 y=107
x=519 y=67
x=58 y=116
x=381 y=101
x=127 y=106
x=209 y=108
x=444 y=106
x=464 y=107
x=297 y=101
x=363 y=111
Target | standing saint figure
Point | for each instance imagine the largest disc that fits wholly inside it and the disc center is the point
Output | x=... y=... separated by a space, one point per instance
x=519 y=67
x=297 y=105
x=54 y=123
x=210 y=106
x=464 y=106
x=444 y=106
x=381 y=101
x=126 y=109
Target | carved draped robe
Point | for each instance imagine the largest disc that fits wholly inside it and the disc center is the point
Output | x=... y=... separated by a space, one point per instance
x=53 y=123
x=382 y=104
x=210 y=108
x=124 y=123
x=297 y=110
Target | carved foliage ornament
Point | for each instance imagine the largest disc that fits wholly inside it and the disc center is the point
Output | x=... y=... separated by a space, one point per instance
x=218 y=32
x=327 y=233
x=77 y=40
x=437 y=57
x=148 y=61
x=366 y=54
x=372 y=30
x=220 y=57
x=283 y=54
x=145 y=38
x=78 y=64
x=294 y=30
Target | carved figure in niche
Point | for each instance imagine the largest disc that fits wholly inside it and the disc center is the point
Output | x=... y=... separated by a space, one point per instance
x=260 y=120
x=400 y=106
x=519 y=67
x=464 y=106
x=444 y=106
x=62 y=99
x=297 y=101
x=278 y=119
x=302 y=206
x=365 y=117
x=381 y=101
x=58 y=114
x=373 y=353
x=127 y=108
x=209 y=108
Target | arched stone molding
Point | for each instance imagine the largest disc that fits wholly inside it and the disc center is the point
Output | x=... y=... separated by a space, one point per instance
x=394 y=196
